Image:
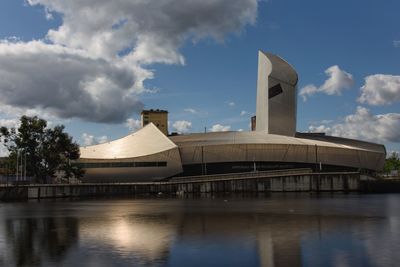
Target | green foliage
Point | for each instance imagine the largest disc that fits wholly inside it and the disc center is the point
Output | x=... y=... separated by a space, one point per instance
x=47 y=150
x=392 y=163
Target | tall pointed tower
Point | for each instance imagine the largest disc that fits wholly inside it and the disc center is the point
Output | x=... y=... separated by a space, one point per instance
x=276 y=95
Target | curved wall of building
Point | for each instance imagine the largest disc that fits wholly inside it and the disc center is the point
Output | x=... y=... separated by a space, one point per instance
x=148 y=168
x=146 y=155
x=276 y=95
x=261 y=147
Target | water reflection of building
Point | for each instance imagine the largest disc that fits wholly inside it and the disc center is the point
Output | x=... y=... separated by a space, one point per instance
x=278 y=237
x=33 y=241
x=146 y=239
x=156 y=234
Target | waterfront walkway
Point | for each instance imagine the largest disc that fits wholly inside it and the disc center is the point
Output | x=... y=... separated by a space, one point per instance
x=294 y=180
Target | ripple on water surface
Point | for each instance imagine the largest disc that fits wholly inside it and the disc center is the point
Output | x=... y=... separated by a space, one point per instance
x=275 y=230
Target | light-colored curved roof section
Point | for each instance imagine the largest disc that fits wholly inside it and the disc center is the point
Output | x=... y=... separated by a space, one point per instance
x=148 y=140
x=231 y=138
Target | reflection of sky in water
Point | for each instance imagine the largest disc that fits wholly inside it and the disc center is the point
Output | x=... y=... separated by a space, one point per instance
x=339 y=248
x=217 y=251
x=282 y=230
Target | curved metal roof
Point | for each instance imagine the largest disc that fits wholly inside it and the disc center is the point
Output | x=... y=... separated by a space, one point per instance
x=148 y=140
x=259 y=137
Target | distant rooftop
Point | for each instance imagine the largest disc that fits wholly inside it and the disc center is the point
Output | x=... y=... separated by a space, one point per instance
x=154 y=111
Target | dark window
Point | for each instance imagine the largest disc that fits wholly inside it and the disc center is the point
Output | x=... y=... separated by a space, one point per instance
x=274 y=91
x=145 y=164
x=121 y=164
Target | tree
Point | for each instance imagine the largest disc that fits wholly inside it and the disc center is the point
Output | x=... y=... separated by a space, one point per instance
x=47 y=150
x=392 y=163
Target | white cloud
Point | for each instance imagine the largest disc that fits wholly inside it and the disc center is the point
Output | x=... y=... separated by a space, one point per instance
x=380 y=89
x=231 y=104
x=92 y=66
x=48 y=14
x=320 y=129
x=182 y=126
x=9 y=123
x=308 y=90
x=102 y=139
x=338 y=81
x=133 y=124
x=364 y=125
x=191 y=110
x=243 y=113
x=220 y=128
x=153 y=30
x=3 y=151
x=88 y=140
x=396 y=43
x=65 y=82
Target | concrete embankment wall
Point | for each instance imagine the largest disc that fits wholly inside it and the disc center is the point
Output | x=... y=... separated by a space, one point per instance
x=380 y=186
x=291 y=181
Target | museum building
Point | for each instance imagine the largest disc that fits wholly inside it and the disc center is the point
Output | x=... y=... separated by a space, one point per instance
x=150 y=155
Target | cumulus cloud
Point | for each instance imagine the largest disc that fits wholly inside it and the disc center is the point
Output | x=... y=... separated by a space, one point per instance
x=380 y=89
x=364 y=125
x=65 y=82
x=191 y=110
x=9 y=123
x=95 y=63
x=153 y=30
x=338 y=81
x=88 y=139
x=102 y=139
x=133 y=124
x=3 y=151
x=243 y=113
x=308 y=90
x=220 y=128
x=182 y=126
x=231 y=104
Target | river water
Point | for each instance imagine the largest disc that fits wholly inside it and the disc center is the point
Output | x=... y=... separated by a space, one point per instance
x=274 y=230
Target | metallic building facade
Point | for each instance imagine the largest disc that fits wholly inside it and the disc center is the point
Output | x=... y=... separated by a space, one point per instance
x=278 y=151
x=141 y=156
x=276 y=95
x=149 y=155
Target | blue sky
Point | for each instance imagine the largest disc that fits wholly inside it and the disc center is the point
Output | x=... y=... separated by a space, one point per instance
x=198 y=60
